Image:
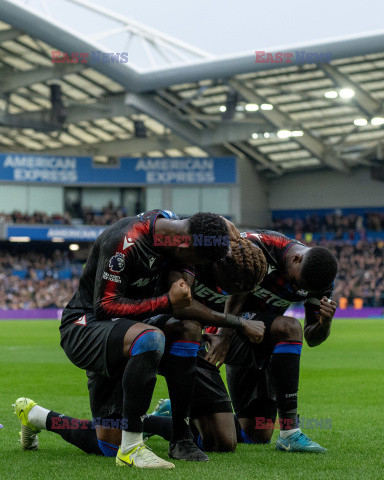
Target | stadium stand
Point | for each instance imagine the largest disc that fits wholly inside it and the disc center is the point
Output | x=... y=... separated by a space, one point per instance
x=310 y=223
x=87 y=216
x=36 y=280
x=41 y=218
x=360 y=274
x=48 y=280
x=336 y=222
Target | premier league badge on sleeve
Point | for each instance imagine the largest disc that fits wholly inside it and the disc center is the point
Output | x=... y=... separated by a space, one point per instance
x=117 y=263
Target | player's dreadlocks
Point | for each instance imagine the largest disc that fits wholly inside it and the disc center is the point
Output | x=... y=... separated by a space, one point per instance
x=210 y=236
x=245 y=266
x=319 y=268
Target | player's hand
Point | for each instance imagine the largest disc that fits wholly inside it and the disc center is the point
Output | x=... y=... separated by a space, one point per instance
x=253 y=329
x=327 y=310
x=180 y=295
x=218 y=346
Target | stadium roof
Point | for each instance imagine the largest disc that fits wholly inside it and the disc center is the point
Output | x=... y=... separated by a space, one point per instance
x=283 y=116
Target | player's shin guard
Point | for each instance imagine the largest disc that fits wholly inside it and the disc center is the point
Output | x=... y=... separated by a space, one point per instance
x=80 y=433
x=180 y=372
x=139 y=378
x=285 y=366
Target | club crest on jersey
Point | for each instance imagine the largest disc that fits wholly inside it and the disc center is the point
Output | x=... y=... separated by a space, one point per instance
x=117 y=263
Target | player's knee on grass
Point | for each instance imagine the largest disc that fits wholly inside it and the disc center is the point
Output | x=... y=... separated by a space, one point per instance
x=219 y=443
x=286 y=329
x=218 y=432
x=263 y=436
x=142 y=340
x=257 y=431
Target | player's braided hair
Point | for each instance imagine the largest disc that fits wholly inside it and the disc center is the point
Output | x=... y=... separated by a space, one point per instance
x=246 y=265
x=319 y=268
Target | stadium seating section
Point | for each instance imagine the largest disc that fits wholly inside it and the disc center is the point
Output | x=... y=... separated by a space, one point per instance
x=36 y=281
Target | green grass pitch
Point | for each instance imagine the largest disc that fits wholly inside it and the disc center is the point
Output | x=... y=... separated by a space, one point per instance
x=341 y=380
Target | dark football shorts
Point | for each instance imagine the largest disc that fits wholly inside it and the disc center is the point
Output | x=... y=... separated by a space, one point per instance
x=97 y=347
x=210 y=394
x=86 y=342
x=248 y=378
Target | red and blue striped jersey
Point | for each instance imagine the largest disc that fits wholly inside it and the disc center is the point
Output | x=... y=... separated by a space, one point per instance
x=122 y=273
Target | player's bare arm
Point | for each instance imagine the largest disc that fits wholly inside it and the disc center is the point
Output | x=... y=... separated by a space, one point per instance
x=180 y=295
x=318 y=320
x=219 y=343
x=206 y=316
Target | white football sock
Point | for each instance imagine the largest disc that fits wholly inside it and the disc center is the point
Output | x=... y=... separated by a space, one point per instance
x=38 y=417
x=288 y=433
x=130 y=440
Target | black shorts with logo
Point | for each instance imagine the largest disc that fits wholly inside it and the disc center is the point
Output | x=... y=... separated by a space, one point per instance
x=106 y=393
x=97 y=347
x=86 y=342
x=248 y=377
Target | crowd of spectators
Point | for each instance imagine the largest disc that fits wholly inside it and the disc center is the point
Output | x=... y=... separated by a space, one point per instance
x=361 y=272
x=83 y=216
x=41 y=218
x=33 y=280
x=27 y=294
x=336 y=223
x=107 y=216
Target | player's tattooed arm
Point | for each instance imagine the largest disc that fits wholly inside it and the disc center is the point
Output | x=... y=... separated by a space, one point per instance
x=318 y=320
